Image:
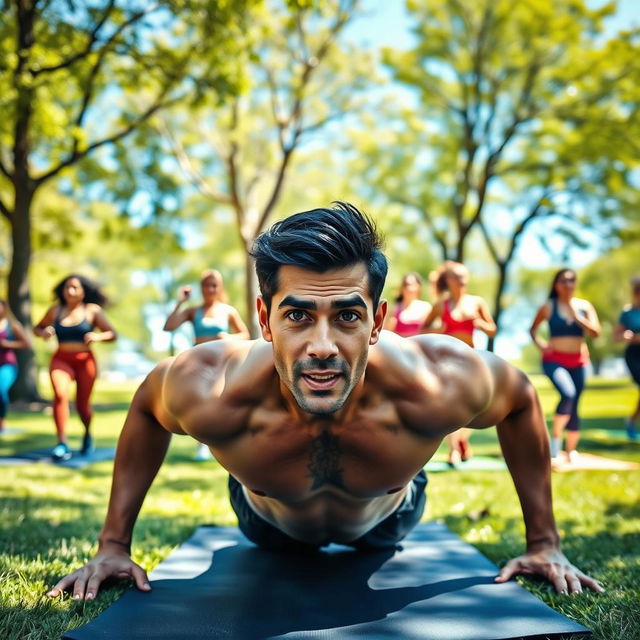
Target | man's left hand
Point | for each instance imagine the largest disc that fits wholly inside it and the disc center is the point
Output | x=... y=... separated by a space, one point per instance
x=554 y=566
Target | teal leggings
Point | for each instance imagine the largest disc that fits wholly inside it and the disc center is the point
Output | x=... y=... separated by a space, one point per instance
x=8 y=375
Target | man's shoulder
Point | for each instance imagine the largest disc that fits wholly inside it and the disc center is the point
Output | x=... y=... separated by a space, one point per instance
x=425 y=358
x=208 y=370
x=434 y=378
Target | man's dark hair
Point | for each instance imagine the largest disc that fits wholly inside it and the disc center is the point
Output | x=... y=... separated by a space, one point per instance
x=320 y=240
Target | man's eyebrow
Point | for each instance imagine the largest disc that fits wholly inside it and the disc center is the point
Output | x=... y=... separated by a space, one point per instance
x=298 y=303
x=354 y=301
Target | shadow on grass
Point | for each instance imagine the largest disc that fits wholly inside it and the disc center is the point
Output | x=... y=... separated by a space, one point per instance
x=25 y=442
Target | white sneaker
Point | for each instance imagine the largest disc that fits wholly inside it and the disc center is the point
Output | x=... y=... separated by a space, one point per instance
x=573 y=456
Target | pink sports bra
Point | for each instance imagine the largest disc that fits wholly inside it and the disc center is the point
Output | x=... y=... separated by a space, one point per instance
x=406 y=329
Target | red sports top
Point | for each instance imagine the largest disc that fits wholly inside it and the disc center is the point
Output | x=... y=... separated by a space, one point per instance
x=451 y=325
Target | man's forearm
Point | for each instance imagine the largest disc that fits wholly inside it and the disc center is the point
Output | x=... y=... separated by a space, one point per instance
x=141 y=449
x=525 y=446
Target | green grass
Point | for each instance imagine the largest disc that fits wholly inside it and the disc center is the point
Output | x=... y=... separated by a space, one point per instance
x=50 y=516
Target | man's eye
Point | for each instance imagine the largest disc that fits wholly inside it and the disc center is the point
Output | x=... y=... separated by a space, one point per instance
x=349 y=316
x=296 y=316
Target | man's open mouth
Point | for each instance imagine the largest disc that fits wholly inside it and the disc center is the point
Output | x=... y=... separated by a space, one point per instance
x=321 y=381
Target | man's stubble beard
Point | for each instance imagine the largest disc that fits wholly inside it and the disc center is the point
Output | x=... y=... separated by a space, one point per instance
x=294 y=382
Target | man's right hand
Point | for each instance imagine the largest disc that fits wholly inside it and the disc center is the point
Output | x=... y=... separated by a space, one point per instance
x=86 y=581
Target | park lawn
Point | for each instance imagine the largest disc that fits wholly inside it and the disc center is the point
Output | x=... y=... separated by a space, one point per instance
x=51 y=516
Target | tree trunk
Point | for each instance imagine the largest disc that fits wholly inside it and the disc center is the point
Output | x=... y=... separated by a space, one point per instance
x=497 y=301
x=25 y=388
x=251 y=292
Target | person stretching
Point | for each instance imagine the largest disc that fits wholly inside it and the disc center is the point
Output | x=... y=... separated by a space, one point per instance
x=72 y=320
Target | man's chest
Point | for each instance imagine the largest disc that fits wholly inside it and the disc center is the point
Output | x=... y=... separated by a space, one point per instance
x=362 y=459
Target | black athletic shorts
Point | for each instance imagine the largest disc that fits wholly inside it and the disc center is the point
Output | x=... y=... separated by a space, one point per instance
x=386 y=534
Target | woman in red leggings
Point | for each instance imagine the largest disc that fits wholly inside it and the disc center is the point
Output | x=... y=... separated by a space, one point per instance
x=73 y=320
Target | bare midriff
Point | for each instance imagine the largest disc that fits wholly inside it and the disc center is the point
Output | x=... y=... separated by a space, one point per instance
x=566 y=344
x=73 y=347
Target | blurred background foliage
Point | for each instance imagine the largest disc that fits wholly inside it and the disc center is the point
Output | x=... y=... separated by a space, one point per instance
x=141 y=143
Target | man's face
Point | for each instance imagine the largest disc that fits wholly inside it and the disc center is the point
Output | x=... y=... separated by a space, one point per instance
x=321 y=326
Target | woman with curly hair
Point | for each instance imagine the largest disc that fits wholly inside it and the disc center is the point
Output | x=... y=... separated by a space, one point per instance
x=73 y=319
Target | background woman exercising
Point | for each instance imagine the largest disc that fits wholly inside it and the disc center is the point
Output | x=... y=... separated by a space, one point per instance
x=565 y=355
x=212 y=320
x=628 y=330
x=12 y=336
x=410 y=311
x=460 y=314
x=72 y=320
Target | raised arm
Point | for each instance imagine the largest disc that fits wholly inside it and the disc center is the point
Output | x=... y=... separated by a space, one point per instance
x=142 y=447
x=515 y=408
x=179 y=315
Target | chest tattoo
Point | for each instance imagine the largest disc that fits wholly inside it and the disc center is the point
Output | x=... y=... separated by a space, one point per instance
x=324 y=464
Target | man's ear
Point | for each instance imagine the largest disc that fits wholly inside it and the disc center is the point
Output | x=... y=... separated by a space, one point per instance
x=263 y=318
x=378 y=321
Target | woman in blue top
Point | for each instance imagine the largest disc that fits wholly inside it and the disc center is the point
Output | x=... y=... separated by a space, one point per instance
x=565 y=354
x=212 y=320
x=12 y=336
x=628 y=330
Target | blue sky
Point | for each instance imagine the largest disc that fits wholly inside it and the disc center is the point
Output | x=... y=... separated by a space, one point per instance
x=386 y=22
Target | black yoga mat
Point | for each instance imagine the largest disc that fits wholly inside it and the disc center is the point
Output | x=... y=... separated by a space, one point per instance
x=218 y=585
x=77 y=460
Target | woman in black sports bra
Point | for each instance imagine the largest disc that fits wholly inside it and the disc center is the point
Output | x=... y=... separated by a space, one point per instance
x=73 y=321
x=565 y=354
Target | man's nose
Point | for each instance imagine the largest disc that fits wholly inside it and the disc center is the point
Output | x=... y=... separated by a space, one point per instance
x=322 y=345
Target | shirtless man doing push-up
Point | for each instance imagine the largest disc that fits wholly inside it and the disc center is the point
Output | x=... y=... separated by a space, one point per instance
x=326 y=424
